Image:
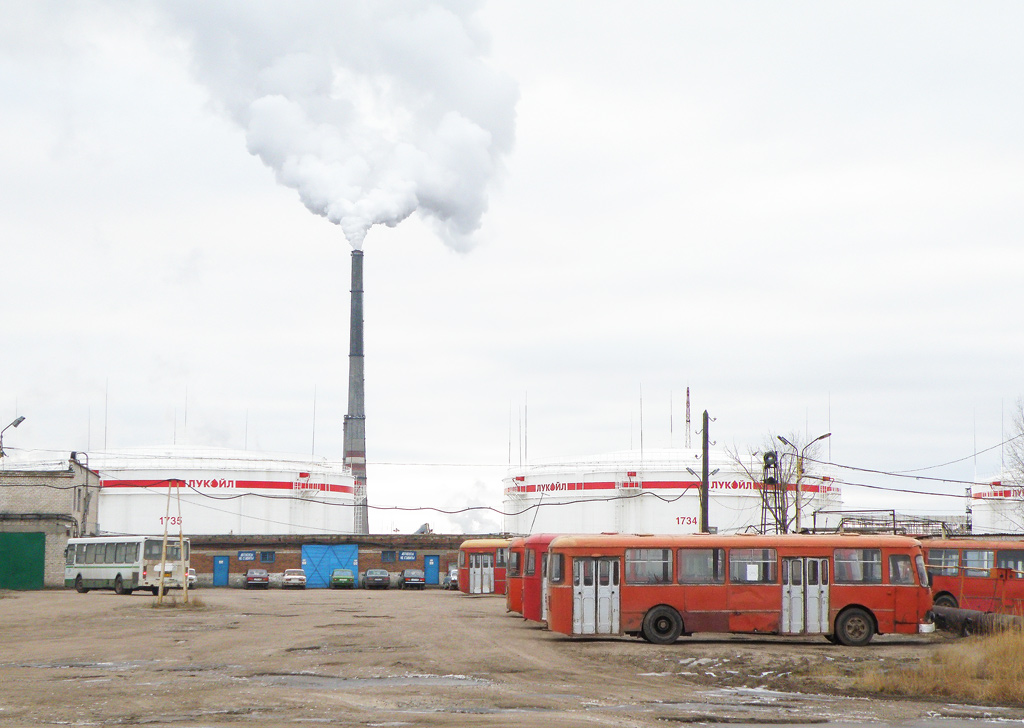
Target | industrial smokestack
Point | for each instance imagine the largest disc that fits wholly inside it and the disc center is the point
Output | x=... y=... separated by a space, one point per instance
x=355 y=420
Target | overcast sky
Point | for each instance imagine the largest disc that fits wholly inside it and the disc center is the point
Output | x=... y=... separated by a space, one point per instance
x=809 y=213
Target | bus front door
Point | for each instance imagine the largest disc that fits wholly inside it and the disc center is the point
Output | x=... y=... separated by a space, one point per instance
x=805 y=596
x=595 y=602
x=481 y=573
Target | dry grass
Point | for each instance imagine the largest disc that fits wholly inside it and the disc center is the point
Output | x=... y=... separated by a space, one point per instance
x=173 y=602
x=985 y=669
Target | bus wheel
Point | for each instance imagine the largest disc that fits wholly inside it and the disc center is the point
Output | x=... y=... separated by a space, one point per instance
x=945 y=600
x=118 y=585
x=78 y=585
x=662 y=625
x=854 y=628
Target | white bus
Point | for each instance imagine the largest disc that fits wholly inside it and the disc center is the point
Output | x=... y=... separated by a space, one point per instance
x=124 y=563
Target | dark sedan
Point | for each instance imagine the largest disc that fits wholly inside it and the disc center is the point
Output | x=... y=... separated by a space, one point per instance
x=257 y=579
x=413 y=579
x=377 y=579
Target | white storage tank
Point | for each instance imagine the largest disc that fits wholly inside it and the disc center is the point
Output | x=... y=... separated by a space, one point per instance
x=997 y=507
x=649 y=492
x=221 y=492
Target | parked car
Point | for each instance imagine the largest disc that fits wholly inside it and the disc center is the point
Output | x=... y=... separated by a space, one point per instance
x=451 y=579
x=343 y=579
x=293 y=579
x=257 y=579
x=377 y=579
x=413 y=579
x=192 y=579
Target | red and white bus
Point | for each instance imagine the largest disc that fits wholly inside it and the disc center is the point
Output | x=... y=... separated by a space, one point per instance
x=535 y=576
x=845 y=587
x=482 y=564
x=972 y=574
x=514 y=576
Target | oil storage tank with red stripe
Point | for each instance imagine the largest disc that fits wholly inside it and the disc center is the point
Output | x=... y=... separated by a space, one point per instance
x=654 y=491
x=222 y=492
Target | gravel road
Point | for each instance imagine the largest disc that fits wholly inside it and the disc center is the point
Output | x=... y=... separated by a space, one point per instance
x=430 y=658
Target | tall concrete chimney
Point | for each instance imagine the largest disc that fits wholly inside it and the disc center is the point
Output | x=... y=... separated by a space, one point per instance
x=355 y=420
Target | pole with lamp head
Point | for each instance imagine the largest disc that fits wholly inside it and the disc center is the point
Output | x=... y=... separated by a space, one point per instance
x=799 y=452
x=17 y=421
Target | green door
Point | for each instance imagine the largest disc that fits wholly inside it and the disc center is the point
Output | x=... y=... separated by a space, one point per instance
x=22 y=559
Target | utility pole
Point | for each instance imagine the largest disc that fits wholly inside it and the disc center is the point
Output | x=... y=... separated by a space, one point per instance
x=799 y=454
x=704 y=477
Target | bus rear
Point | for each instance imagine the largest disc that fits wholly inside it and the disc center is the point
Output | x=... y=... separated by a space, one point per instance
x=482 y=565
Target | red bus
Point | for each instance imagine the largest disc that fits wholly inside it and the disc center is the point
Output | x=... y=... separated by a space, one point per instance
x=535 y=576
x=482 y=565
x=972 y=574
x=845 y=587
x=514 y=576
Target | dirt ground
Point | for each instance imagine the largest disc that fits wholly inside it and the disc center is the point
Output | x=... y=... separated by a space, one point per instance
x=393 y=658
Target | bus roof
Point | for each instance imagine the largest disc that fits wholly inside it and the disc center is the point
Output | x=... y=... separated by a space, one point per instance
x=975 y=543
x=485 y=543
x=541 y=539
x=742 y=540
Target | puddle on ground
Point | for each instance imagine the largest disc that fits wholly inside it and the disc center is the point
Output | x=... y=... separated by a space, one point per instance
x=327 y=682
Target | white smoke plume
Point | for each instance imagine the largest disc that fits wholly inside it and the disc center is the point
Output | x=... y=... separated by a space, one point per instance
x=370 y=110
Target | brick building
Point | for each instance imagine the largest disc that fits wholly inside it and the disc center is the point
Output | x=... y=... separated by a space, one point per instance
x=43 y=502
x=236 y=554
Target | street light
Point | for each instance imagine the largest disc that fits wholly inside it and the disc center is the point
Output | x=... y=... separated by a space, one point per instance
x=17 y=421
x=800 y=469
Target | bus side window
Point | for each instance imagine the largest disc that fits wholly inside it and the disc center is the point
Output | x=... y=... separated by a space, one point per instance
x=753 y=566
x=701 y=566
x=943 y=562
x=1006 y=559
x=858 y=566
x=978 y=562
x=108 y=557
x=119 y=553
x=90 y=553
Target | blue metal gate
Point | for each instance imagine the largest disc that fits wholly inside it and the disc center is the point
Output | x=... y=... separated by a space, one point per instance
x=220 y=570
x=432 y=569
x=319 y=560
